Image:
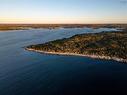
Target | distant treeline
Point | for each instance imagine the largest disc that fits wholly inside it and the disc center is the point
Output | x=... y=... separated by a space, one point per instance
x=52 y=26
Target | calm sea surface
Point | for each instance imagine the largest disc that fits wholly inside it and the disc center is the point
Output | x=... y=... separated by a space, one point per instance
x=29 y=73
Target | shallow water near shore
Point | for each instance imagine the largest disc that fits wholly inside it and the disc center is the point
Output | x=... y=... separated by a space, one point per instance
x=30 y=73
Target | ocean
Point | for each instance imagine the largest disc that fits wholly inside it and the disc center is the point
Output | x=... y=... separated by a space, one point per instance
x=29 y=73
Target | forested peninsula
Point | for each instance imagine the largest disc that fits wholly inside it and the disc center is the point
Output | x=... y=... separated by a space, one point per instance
x=104 y=45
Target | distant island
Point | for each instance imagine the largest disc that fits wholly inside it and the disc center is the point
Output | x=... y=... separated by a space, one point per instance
x=104 y=45
x=6 y=27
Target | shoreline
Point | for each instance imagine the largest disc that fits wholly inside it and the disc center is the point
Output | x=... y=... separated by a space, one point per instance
x=82 y=55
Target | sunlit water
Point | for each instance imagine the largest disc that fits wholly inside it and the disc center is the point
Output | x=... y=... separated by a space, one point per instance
x=29 y=73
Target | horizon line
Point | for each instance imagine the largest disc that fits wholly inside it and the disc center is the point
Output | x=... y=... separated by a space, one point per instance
x=63 y=23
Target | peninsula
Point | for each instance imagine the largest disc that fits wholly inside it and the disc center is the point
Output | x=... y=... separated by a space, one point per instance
x=104 y=45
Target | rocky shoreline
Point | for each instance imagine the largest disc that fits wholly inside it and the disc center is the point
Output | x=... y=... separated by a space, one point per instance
x=74 y=54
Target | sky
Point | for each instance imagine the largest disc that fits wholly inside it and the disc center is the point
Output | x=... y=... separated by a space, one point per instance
x=63 y=11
